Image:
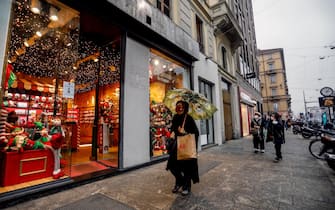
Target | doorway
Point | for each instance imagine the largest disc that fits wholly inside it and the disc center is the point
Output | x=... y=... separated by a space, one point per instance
x=206 y=126
x=228 y=123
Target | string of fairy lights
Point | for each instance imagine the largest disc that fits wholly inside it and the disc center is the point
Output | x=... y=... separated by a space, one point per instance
x=39 y=49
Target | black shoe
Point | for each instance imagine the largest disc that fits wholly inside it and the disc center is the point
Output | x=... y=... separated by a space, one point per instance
x=176 y=189
x=276 y=160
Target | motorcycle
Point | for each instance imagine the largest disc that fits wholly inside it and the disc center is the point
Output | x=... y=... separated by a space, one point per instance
x=308 y=132
x=297 y=127
x=324 y=148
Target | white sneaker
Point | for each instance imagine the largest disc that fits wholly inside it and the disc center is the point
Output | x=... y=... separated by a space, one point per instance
x=262 y=150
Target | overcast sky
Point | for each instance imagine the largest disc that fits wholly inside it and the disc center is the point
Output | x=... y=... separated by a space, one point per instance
x=302 y=28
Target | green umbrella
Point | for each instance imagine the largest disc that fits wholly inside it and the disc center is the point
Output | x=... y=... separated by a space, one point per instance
x=199 y=106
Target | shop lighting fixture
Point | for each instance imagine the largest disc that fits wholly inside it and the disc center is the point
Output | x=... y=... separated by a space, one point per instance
x=164 y=66
x=75 y=67
x=38 y=33
x=96 y=60
x=53 y=14
x=170 y=69
x=26 y=43
x=156 y=62
x=68 y=44
x=35 y=6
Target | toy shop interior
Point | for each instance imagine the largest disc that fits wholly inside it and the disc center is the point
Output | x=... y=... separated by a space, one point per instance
x=60 y=107
x=165 y=74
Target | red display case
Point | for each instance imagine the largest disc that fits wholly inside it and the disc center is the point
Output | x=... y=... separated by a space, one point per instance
x=20 y=167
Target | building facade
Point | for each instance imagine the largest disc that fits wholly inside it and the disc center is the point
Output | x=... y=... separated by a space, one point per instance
x=100 y=71
x=274 y=82
x=248 y=83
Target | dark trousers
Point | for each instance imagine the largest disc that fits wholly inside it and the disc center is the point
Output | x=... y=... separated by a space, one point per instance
x=177 y=173
x=187 y=176
x=278 y=150
x=258 y=142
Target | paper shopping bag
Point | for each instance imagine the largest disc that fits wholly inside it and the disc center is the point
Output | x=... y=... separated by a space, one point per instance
x=186 y=148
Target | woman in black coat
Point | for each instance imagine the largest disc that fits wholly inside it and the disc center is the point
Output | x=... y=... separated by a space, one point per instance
x=276 y=132
x=184 y=171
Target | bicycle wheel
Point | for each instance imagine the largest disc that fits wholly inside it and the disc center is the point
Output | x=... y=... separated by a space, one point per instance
x=315 y=148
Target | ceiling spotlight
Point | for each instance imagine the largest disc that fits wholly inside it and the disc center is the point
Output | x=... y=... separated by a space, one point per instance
x=68 y=44
x=75 y=67
x=26 y=43
x=156 y=62
x=164 y=66
x=38 y=33
x=170 y=69
x=53 y=14
x=96 y=60
x=35 y=6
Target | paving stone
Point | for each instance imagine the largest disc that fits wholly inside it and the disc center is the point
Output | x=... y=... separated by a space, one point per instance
x=231 y=177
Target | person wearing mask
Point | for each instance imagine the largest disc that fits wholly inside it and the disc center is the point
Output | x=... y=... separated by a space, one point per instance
x=184 y=171
x=257 y=132
x=276 y=133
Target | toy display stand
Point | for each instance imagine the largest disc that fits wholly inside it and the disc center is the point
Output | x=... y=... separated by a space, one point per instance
x=19 y=167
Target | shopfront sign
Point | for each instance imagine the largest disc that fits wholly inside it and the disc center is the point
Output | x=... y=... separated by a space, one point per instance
x=328 y=101
x=246 y=99
x=68 y=90
x=251 y=75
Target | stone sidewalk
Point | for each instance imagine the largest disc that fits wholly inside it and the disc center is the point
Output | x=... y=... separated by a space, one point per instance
x=231 y=177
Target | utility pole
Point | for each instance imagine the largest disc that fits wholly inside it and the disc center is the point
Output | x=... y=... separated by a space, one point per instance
x=303 y=92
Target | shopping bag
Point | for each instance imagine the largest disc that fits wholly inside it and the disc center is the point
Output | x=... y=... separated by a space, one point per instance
x=186 y=148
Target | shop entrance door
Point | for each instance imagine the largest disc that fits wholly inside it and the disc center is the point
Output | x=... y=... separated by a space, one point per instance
x=227 y=115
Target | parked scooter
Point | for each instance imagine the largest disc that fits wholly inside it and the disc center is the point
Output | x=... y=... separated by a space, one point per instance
x=324 y=148
x=297 y=127
x=308 y=132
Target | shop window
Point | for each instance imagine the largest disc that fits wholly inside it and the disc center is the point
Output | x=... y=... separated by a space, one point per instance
x=164 y=6
x=165 y=74
x=61 y=80
x=206 y=126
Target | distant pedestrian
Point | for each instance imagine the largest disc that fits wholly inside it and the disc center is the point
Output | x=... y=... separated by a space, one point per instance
x=257 y=133
x=276 y=133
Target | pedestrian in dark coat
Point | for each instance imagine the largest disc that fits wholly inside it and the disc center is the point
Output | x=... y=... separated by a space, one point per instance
x=184 y=171
x=276 y=133
x=257 y=132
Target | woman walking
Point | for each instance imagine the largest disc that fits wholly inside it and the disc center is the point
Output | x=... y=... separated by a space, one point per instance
x=276 y=133
x=184 y=171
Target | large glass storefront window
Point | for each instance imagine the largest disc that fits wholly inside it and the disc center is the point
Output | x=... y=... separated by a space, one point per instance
x=61 y=95
x=165 y=74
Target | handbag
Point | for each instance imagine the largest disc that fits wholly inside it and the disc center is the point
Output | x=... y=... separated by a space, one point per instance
x=186 y=148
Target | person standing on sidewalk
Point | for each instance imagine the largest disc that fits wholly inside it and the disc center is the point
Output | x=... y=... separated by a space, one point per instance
x=257 y=132
x=276 y=133
x=184 y=171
